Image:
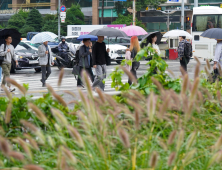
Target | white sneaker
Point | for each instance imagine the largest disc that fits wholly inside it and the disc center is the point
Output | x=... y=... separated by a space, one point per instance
x=11 y=90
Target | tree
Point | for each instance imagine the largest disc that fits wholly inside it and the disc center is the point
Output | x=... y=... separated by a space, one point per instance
x=50 y=23
x=25 y=29
x=35 y=20
x=23 y=14
x=102 y=14
x=74 y=16
x=127 y=20
x=16 y=21
x=119 y=8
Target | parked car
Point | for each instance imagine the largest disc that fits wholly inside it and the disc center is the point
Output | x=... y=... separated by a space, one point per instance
x=120 y=41
x=27 y=58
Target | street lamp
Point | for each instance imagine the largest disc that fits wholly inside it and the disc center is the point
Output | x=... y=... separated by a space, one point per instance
x=168 y=12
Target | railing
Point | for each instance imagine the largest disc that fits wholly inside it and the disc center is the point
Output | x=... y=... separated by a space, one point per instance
x=30 y=5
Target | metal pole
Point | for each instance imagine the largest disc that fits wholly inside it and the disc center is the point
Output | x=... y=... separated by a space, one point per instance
x=195 y=3
x=59 y=19
x=182 y=15
x=134 y=12
x=168 y=22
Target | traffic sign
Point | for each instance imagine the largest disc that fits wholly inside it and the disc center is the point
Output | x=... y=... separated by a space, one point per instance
x=63 y=15
x=174 y=0
x=63 y=8
x=62 y=20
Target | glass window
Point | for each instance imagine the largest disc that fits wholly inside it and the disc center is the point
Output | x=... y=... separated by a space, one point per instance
x=4 y=4
x=220 y=22
x=204 y=22
x=24 y=45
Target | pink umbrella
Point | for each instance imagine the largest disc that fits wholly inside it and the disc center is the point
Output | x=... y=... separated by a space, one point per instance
x=134 y=30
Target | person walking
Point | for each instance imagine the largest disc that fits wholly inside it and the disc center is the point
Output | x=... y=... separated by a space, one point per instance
x=45 y=61
x=99 y=62
x=134 y=49
x=85 y=61
x=152 y=42
x=7 y=50
x=218 y=56
x=184 y=52
x=63 y=48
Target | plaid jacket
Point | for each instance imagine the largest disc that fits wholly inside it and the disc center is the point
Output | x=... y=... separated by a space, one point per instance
x=180 y=48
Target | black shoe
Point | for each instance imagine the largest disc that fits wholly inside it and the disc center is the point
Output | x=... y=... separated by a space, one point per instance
x=43 y=85
x=41 y=80
x=81 y=86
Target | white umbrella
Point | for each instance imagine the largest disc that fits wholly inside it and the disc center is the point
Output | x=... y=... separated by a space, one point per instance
x=177 y=33
x=43 y=37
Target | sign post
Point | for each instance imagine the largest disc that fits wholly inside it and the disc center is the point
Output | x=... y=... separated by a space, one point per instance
x=63 y=16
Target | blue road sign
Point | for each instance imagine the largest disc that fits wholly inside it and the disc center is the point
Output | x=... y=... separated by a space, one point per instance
x=174 y=0
x=63 y=8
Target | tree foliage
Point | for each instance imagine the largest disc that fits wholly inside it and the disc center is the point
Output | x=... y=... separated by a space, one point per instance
x=128 y=20
x=16 y=22
x=23 y=14
x=74 y=16
x=50 y=23
x=35 y=20
x=25 y=29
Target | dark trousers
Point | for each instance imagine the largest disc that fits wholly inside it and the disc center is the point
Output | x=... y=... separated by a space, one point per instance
x=46 y=71
x=65 y=57
x=133 y=71
x=89 y=72
x=184 y=63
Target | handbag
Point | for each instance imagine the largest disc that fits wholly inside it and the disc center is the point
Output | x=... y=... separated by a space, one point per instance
x=2 y=57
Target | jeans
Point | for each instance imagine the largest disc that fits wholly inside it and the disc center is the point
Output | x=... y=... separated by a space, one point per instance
x=100 y=76
x=65 y=57
x=90 y=73
x=46 y=71
x=0 y=73
x=6 y=68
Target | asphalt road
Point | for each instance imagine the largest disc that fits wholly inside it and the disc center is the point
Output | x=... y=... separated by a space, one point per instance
x=69 y=82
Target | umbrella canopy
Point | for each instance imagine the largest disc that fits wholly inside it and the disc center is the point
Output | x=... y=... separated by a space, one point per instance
x=147 y=39
x=16 y=36
x=213 y=33
x=91 y=37
x=43 y=37
x=109 y=32
x=177 y=33
x=134 y=30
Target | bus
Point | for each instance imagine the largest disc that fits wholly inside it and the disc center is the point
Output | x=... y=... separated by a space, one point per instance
x=204 y=18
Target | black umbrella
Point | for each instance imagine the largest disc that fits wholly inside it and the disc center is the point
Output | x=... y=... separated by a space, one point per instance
x=16 y=36
x=109 y=32
x=213 y=33
x=147 y=39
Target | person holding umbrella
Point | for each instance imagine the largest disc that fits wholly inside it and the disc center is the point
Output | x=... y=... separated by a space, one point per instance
x=218 y=56
x=45 y=61
x=7 y=50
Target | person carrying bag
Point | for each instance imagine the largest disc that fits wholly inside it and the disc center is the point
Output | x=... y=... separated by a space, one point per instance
x=7 y=51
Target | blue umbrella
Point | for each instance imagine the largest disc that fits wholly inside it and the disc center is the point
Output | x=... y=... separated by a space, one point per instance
x=91 y=37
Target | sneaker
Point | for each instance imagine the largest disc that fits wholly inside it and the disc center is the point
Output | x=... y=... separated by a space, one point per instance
x=11 y=90
x=81 y=86
x=43 y=85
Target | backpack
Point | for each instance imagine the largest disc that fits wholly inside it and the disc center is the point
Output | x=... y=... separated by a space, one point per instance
x=2 y=57
x=188 y=52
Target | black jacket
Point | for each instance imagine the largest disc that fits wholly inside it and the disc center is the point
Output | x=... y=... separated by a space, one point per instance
x=99 y=53
x=83 y=57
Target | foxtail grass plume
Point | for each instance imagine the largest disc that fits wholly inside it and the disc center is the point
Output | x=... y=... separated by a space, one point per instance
x=4 y=146
x=75 y=134
x=32 y=167
x=25 y=147
x=157 y=83
x=32 y=141
x=87 y=83
x=101 y=95
x=13 y=82
x=185 y=84
x=220 y=70
x=207 y=71
x=129 y=74
x=29 y=125
x=41 y=116
x=218 y=144
x=151 y=106
x=51 y=142
x=191 y=140
x=153 y=159
x=8 y=113
x=64 y=165
x=59 y=99
x=197 y=71
x=180 y=140
x=124 y=138
x=50 y=89
x=172 y=137
x=16 y=155
x=218 y=95
x=197 y=60
x=183 y=72
x=171 y=158
x=189 y=156
x=60 y=118
x=70 y=93
x=8 y=94
x=171 y=72
x=208 y=64
x=137 y=119
x=164 y=106
x=194 y=89
x=61 y=74
x=189 y=111
x=68 y=154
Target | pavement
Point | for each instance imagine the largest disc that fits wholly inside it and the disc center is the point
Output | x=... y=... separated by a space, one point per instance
x=69 y=83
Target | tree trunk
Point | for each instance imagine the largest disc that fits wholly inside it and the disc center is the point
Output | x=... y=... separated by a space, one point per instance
x=102 y=12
